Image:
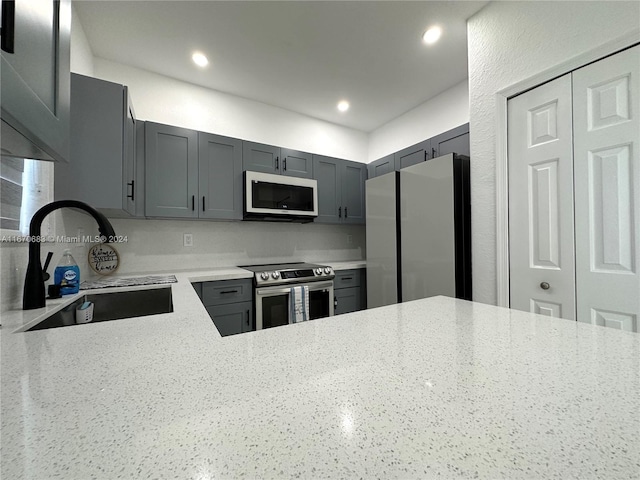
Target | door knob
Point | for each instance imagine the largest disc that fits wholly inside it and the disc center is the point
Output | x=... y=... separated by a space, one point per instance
x=544 y=286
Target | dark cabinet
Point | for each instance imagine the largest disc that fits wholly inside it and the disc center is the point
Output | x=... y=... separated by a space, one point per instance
x=259 y=157
x=102 y=168
x=229 y=304
x=171 y=171
x=35 y=85
x=349 y=291
x=191 y=174
x=381 y=166
x=340 y=190
x=455 y=140
x=420 y=152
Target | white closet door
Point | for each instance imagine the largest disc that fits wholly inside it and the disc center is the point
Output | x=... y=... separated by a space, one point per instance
x=606 y=100
x=541 y=200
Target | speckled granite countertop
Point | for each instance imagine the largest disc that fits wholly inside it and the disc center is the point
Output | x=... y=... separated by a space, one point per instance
x=431 y=388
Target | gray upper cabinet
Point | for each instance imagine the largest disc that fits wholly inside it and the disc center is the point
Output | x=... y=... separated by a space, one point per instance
x=296 y=164
x=192 y=174
x=353 y=176
x=35 y=86
x=171 y=171
x=258 y=157
x=453 y=141
x=381 y=166
x=220 y=176
x=103 y=159
x=420 y=152
x=340 y=190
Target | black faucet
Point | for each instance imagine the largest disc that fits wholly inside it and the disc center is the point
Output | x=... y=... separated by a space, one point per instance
x=34 y=294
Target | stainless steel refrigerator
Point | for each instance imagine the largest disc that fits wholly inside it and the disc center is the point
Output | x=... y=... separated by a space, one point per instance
x=419 y=232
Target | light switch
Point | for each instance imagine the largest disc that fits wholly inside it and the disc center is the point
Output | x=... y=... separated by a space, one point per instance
x=188 y=239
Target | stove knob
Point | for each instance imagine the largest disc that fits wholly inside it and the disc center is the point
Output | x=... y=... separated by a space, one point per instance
x=275 y=275
x=318 y=271
x=264 y=275
x=327 y=270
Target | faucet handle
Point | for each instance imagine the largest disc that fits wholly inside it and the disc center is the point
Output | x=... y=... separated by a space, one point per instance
x=45 y=275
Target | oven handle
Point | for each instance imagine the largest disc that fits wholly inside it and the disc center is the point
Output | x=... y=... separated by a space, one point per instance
x=277 y=290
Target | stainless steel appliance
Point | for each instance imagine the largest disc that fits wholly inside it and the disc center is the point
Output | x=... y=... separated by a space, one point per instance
x=272 y=287
x=419 y=232
x=279 y=198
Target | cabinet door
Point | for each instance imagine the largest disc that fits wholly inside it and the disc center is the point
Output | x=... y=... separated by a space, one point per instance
x=94 y=173
x=453 y=141
x=171 y=171
x=260 y=158
x=326 y=171
x=417 y=153
x=220 y=176
x=297 y=164
x=35 y=78
x=347 y=300
x=130 y=195
x=381 y=166
x=353 y=176
x=233 y=318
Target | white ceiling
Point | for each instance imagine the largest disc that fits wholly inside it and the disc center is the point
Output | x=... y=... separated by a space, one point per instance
x=304 y=56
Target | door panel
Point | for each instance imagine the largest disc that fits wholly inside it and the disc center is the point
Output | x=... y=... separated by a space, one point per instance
x=540 y=200
x=353 y=178
x=606 y=99
x=413 y=154
x=325 y=171
x=257 y=157
x=297 y=164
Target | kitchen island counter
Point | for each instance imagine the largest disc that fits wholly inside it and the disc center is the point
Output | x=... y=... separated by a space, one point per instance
x=430 y=387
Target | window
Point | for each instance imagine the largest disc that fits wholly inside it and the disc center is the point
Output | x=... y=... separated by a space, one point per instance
x=26 y=185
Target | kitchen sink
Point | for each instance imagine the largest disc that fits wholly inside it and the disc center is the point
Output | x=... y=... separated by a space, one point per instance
x=113 y=306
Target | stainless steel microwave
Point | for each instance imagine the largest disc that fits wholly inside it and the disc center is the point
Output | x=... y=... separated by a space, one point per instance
x=272 y=197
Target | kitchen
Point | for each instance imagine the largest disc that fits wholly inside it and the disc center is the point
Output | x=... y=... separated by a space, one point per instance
x=159 y=247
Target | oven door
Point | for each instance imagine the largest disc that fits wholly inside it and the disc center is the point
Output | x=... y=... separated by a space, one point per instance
x=272 y=304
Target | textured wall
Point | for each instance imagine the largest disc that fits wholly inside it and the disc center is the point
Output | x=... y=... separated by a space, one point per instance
x=510 y=42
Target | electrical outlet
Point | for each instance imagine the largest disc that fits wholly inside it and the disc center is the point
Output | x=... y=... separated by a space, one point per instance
x=188 y=239
x=349 y=239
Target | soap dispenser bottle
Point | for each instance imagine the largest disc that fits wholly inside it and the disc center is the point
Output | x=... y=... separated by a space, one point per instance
x=67 y=274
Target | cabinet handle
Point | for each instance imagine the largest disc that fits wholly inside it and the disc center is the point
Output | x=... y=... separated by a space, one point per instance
x=132 y=185
x=339 y=212
x=203 y=209
x=277 y=163
x=284 y=164
x=193 y=202
x=347 y=278
x=433 y=153
x=8 y=25
x=335 y=302
x=426 y=156
x=224 y=292
x=345 y=212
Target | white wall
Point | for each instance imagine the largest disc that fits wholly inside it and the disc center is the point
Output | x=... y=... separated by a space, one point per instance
x=443 y=112
x=510 y=42
x=81 y=54
x=166 y=100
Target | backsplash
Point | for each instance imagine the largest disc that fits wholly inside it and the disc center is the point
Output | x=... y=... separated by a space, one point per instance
x=154 y=246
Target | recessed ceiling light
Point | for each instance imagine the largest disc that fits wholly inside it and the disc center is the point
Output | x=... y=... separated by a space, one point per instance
x=199 y=59
x=432 y=35
x=343 y=106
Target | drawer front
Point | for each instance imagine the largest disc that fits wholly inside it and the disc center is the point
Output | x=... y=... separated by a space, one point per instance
x=227 y=291
x=347 y=300
x=347 y=279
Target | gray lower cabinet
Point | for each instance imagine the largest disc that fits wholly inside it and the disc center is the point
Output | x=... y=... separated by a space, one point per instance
x=349 y=291
x=191 y=174
x=229 y=304
x=35 y=85
x=258 y=157
x=340 y=190
x=455 y=140
x=233 y=318
x=102 y=168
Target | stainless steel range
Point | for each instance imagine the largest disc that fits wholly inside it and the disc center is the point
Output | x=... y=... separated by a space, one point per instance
x=273 y=286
